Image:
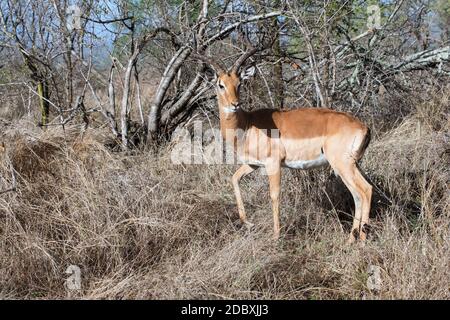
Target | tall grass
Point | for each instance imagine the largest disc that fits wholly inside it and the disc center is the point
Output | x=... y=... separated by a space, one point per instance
x=139 y=226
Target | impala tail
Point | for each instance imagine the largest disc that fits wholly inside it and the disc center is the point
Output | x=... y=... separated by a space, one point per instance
x=364 y=144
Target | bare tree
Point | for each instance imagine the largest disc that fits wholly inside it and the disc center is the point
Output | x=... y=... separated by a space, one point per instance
x=322 y=54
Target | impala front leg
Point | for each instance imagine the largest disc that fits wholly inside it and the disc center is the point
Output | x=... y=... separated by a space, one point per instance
x=241 y=172
x=274 y=173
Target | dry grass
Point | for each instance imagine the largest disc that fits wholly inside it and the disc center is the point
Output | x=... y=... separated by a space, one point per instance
x=141 y=227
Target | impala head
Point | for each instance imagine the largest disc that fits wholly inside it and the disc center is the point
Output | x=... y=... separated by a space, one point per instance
x=228 y=85
x=228 y=81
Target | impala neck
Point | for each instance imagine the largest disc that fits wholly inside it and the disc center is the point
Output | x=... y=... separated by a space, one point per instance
x=231 y=119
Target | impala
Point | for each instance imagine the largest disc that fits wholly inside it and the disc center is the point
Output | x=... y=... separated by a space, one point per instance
x=305 y=138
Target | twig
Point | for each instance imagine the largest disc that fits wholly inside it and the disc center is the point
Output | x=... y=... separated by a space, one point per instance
x=13 y=179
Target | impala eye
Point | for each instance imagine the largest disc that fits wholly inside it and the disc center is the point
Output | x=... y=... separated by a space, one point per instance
x=221 y=87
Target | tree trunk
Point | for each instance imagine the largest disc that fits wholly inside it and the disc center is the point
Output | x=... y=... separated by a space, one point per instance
x=278 y=69
x=42 y=89
x=124 y=107
x=166 y=80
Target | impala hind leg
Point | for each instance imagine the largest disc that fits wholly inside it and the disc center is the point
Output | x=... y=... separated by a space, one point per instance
x=238 y=175
x=361 y=191
x=365 y=210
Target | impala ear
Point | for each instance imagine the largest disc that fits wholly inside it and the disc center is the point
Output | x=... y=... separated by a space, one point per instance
x=248 y=73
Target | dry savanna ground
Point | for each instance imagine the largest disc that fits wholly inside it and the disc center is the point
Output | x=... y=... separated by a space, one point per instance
x=139 y=226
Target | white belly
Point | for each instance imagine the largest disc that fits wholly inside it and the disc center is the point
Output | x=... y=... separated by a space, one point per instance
x=306 y=164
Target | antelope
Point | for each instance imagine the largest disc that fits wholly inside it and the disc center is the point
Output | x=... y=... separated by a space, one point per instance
x=307 y=138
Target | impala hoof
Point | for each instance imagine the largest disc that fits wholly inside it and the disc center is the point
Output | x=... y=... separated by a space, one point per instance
x=352 y=237
x=365 y=229
x=276 y=237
